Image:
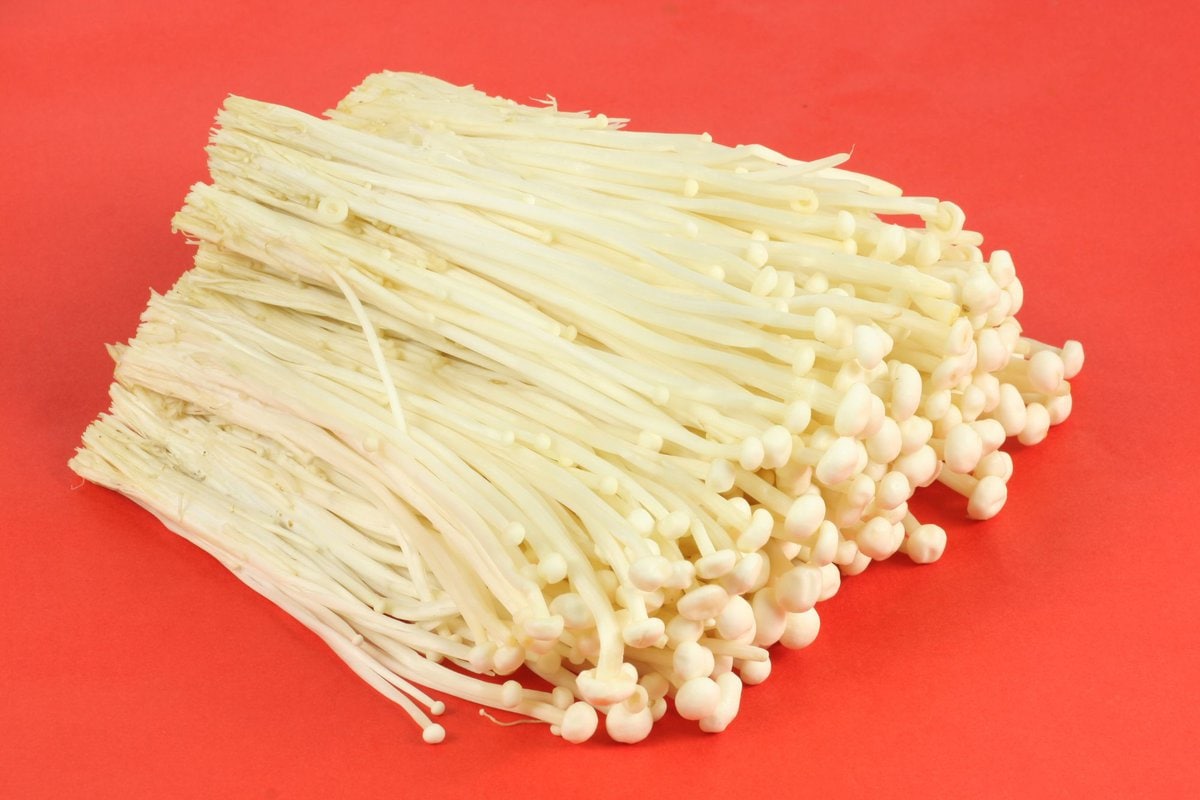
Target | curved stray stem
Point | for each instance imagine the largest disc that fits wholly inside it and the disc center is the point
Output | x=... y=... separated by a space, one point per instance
x=483 y=712
x=376 y=350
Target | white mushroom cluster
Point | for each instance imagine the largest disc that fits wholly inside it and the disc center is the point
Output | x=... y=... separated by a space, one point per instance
x=519 y=407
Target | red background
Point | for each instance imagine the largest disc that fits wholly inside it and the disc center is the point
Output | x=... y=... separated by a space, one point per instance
x=1053 y=651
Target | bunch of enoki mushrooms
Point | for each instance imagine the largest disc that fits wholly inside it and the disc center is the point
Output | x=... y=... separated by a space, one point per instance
x=519 y=407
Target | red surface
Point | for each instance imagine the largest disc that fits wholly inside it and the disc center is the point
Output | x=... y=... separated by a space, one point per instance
x=1053 y=651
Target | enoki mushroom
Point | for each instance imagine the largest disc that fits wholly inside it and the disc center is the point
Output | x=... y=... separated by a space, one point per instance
x=516 y=406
